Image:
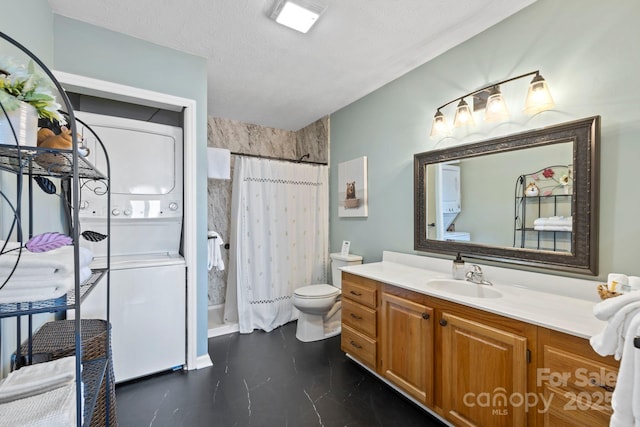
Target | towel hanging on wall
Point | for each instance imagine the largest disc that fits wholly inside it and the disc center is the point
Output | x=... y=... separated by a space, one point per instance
x=215 y=251
x=218 y=163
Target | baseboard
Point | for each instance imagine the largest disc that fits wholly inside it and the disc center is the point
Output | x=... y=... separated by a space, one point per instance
x=203 y=361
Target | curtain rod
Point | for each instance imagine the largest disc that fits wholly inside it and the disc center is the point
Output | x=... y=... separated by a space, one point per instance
x=279 y=158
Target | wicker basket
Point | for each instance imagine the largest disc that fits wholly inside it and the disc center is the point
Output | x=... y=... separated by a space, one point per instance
x=56 y=339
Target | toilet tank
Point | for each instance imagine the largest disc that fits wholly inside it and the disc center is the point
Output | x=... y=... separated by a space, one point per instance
x=338 y=260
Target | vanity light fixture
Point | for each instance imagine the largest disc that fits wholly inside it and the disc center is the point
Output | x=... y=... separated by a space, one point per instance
x=440 y=126
x=496 y=109
x=463 y=116
x=299 y=15
x=538 y=99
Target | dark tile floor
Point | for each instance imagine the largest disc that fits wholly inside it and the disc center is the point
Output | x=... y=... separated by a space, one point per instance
x=269 y=380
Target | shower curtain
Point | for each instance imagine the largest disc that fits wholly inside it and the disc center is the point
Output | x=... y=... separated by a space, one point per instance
x=279 y=239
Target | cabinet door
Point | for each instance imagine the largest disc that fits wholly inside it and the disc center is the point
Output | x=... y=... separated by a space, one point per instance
x=484 y=373
x=407 y=336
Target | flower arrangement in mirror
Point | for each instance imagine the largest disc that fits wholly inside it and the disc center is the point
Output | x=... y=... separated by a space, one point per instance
x=554 y=180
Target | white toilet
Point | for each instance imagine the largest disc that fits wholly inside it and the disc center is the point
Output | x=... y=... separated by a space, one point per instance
x=320 y=305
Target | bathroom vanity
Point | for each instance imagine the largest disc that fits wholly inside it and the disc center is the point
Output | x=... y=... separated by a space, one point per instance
x=497 y=355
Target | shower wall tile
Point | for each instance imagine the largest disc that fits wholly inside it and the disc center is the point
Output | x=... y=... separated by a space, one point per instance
x=251 y=139
x=314 y=140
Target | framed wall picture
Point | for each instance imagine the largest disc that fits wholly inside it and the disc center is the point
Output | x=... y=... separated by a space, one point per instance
x=352 y=188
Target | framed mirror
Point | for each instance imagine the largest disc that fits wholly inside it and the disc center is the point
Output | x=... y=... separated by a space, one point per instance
x=529 y=198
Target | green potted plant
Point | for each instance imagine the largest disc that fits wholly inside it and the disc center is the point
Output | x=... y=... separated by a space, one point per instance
x=26 y=94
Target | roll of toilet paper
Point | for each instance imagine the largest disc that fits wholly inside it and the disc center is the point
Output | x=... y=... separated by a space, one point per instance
x=616 y=281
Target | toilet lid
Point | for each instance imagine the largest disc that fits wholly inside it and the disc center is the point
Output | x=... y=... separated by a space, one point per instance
x=317 y=291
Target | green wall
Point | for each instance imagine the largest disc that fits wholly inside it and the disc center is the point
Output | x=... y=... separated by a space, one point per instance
x=95 y=52
x=586 y=49
x=32 y=27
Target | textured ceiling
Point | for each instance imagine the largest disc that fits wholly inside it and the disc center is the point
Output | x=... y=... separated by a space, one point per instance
x=263 y=73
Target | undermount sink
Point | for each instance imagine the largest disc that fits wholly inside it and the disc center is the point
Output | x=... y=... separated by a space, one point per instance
x=464 y=288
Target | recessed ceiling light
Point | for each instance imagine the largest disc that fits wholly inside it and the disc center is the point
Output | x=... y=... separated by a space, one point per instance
x=299 y=15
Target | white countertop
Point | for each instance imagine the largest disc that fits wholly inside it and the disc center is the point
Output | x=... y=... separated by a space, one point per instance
x=568 y=314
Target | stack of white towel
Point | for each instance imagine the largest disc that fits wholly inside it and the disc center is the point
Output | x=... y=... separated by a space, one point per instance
x=554 y=223
x=40 y=276
x=623 y=316
x=43 y=394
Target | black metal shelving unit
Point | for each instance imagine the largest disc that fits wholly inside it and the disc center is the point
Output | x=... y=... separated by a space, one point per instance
x=527 y=208
x=27 y=163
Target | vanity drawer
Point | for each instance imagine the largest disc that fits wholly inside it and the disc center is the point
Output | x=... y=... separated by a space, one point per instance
x=569 y=370
x=360 y=346
x=573 y=409
x=359 y=289
x=359 y=317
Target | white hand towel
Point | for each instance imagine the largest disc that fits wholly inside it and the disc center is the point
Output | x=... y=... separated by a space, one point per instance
x=40 y=289
x=634 y=283
x=58 y=261
x=218 y=163
x=36 y=379
x=56 y=408
x=626 y=396
x=215 y=252
x=611 y=339
x=607 y=308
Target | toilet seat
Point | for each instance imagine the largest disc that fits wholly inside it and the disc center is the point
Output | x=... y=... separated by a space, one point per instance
x=316 y=291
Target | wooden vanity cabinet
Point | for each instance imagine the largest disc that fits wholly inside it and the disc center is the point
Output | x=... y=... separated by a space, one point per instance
x=576 y=382
x=483 y=362
x=360 y=301
x=407 y=341
x=472 y=367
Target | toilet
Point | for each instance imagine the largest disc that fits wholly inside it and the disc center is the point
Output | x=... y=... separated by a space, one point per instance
x=320 y=305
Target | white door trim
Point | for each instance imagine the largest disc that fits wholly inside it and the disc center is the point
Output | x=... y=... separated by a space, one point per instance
x=118 y=92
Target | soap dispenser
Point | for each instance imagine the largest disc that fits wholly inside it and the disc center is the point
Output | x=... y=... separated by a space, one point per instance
x=458 y=268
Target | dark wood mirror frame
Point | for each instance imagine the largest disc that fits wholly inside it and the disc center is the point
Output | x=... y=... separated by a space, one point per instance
x=583 y=258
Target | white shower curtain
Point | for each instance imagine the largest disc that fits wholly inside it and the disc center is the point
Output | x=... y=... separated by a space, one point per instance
x=279 y=239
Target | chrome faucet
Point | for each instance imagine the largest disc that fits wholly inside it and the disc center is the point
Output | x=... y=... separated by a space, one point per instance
x=475 y=275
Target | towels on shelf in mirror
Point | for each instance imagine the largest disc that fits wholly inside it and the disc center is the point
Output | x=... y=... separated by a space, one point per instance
x=554 y=223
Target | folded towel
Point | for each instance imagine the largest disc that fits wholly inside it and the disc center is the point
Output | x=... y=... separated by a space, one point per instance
x=32 y=290
x=634 y=283
x=553 y=227
x=218 y=163
x=611 y=339
x=607 y=308
x=554 y=220
x=625 y=400
x=39 y=378
x=56 y=408
x=57 y=261
x=24 y=295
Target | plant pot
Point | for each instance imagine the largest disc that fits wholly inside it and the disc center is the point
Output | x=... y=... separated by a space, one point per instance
x=24 y=120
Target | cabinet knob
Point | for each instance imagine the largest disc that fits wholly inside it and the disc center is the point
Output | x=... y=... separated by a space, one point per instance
x=355 y=316
x=356 y=345
x=358 y=294
x=602 y=386
x=443 y=322
x=425 y=316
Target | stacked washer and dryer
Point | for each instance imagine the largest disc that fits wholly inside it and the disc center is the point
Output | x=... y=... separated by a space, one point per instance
x=148 y=274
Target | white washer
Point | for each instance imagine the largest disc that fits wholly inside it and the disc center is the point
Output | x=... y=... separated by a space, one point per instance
x=147 y=314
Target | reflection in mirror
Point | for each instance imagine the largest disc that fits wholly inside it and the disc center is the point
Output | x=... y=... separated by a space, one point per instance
x=529 y=198
x=483 y=187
